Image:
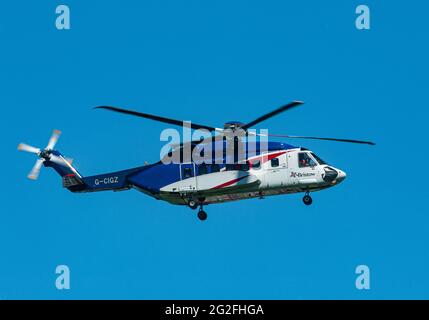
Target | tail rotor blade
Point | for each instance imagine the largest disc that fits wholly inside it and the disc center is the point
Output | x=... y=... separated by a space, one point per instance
x=34 y=173
x=28 y=148
x=53 y=140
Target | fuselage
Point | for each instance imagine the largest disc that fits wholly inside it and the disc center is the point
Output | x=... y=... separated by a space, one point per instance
x=282 y=169
x=279 y=169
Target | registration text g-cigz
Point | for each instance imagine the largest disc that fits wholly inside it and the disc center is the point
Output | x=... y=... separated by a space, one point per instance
x=107 y=180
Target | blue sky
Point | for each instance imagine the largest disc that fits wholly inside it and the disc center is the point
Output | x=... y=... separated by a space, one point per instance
x=211 y=62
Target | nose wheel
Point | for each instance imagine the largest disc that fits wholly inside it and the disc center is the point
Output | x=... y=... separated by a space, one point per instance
x=307 y=199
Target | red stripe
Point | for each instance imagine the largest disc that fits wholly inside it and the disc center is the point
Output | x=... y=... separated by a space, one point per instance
x=228 y=183
x=266 y=158
x=275 y=155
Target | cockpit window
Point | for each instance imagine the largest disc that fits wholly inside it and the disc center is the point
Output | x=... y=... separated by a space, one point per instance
x=318 y=159
x=305 y=160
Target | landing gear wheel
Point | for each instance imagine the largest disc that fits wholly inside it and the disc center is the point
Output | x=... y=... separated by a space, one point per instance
x=192 y=204
x=202 y=215
x=307 y=200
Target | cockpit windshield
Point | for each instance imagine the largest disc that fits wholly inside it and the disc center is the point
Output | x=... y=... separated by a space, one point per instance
x=320 y=161
x=304 y=160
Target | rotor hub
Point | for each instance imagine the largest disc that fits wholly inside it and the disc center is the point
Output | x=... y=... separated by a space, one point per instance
x=45 y=154
x=233 y=125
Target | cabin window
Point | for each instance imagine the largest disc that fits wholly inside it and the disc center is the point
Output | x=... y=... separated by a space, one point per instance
x=241 y=166
x=202 y=169
x=237 y=166
x=187 y=173
x=256 y=164
x=215 y=168
x=304 y=160
x=274 y=162
x=244 y=166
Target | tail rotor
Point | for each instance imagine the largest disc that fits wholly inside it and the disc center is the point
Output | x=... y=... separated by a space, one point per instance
x=43 y=155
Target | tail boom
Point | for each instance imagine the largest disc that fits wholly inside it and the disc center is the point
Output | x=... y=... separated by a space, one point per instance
x=115 y=181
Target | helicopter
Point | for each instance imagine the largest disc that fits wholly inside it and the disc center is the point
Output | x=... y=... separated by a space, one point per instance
x=257 y=171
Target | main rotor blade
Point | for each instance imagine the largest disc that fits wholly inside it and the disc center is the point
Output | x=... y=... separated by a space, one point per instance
x=34 y=173
x=156 y=118
x=193 y=143
x=27 y=148
x=53 y=140
x=317 y=138
x=271 y=114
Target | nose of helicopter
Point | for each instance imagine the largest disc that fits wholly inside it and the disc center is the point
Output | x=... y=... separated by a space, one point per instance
x=341 y=175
